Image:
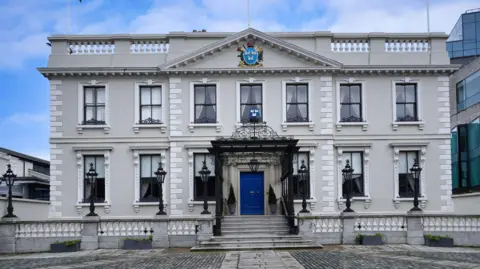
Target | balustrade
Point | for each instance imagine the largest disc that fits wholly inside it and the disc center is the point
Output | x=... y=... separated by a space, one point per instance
x=149 y=46
x=381 y=224
x=48 y=229
x=182 y=227
x=125 y=228
x=350 y=45
x=407 y=45
x=327 y=225
x=91 y=47
x=451 y=223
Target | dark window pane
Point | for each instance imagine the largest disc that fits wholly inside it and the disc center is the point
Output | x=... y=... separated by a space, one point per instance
x=355 y=94
x=469 y=31
x=410 y=93
x=400 y=93
x=200 y=95
x=344 y=94
x=400 y=111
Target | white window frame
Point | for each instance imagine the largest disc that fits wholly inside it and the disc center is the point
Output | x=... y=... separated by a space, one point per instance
x=136 y=125
x=310 y=123
x=80 y=153
x=311 y=169
x=365 y=149
x=80 y=91
x=420 y=123
x=364 y=123
x=238 y=83
x=137 y=152
x=192 y=125
x=191 y=174
x=422 y=153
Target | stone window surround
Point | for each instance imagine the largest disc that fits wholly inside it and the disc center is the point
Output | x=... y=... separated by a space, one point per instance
x=365 y=149
x=420 y=123
x=136 y=125
x=363 y=91
x=137 y=152
x=297 y=80
x=238 y=83
x=81 y=86
x=80 y=153
x=192 y=125
x=422 y=150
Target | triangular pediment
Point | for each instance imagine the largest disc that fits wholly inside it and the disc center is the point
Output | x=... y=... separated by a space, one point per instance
x=272 y=52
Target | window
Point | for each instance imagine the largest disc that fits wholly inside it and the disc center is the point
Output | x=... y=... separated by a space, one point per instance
x=406 y=184
x=298 y=185
x=356 y=160
x=466 y=157
x=250 y=97
x=297 y=103
x=99 y=189
x=406 y=102
x=468 y=91
x=198 y=187
x=151 y=105
x=149 y=190
x=94 y=105
x=205 y=102
x=351 y=103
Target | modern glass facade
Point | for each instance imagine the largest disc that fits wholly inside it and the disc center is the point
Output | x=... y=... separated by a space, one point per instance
x=464 y=40
x=468 y=91
x=466 y=157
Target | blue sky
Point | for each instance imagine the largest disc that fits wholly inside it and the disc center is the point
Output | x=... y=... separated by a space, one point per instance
x=25 y=24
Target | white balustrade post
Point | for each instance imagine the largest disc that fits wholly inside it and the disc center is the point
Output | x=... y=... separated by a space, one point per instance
x=349 y=234
x=160 y=232
x=205 y=229
x=90 y=233
x=415 y=228
x=7 y=236
x=305 y=224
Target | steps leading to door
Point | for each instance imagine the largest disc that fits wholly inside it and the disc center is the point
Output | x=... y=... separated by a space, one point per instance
x=254 y=232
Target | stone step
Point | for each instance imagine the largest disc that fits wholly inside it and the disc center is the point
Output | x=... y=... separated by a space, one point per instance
x=259 y=222
x=266 y=230
x=254 y=247
x=252 y=217
x=253 y=226
x=254 y=232
x=258 y=242
x=255 y=236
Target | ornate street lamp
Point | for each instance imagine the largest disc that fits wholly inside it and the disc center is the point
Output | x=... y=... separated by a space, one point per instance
x=160 y=173
x=92 y=179
x=303 y=174
x=9 y=178
x=416 y=170
x=347 y=177
x=204 y=173
x=253 y=164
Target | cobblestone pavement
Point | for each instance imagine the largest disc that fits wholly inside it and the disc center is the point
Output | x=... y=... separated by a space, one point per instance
x=344 y=257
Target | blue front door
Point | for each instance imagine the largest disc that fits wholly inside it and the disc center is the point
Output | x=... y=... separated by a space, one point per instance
x=251 y=193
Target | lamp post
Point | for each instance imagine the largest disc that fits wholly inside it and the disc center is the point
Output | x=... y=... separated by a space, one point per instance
x=416 y=170
x=92 y=179
x=160 y=173
x=347 y=176
x=253 y=164
x=9 y=178
x=204 y=173
x=303 y=174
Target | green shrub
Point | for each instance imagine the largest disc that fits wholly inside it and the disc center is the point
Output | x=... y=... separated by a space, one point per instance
x=436 y=237
x=272 y=198
x=359 y=237
x=149 y=238
x=231 y=196
x=67 y=243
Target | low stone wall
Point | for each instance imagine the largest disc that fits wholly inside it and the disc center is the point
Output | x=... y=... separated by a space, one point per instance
x=26 y=209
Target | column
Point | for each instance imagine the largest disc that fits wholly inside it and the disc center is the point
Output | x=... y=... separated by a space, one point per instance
x=90 y=233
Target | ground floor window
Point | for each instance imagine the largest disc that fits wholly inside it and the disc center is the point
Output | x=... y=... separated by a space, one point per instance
x=98 y=162
x=406 y=183
x=358 y=186
x=198 y=185
x=298 y=185
x=149 y=190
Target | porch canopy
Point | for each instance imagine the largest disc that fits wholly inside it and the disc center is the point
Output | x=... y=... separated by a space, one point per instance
x=255 y=141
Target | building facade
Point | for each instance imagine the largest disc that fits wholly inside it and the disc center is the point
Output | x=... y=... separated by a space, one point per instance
x=463 y=43
x=126 y=102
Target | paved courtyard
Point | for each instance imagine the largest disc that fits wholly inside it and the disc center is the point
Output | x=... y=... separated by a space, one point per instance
x=344 y=257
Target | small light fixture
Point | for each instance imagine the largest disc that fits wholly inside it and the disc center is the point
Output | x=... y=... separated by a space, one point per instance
x=253 y=164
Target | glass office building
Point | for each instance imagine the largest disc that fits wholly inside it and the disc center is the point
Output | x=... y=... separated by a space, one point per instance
x=464 y=40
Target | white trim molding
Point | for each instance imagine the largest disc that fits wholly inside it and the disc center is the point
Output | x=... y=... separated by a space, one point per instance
x=191 y=174
x=80 y=153
x=136 y=125
x=422 y=152
x=364 y=123
x=80 y=91
x=420 y=123
x=137 y=152
x=365 y=149
x=248 y=81
x=192 y=125
x=297 y=80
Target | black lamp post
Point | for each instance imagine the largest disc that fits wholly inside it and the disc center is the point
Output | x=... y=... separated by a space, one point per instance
x=92 y=179
x=204 y=173
x=160 y=173
x=253 y=164
x=9 y=178
x=347 y=176
x=303 y=174
x=416 y=170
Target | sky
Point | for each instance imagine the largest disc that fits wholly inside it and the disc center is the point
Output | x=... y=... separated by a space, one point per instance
x=26 y=24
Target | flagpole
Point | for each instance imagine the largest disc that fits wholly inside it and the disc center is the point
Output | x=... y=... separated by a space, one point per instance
x=68 y=17
x=428 y=17
x=248 y=4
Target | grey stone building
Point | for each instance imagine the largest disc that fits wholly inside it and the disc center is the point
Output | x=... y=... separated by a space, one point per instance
x=126 y=102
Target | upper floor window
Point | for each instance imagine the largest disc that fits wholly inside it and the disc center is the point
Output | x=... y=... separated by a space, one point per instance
x=351 y=103
x=94 y=105
x=149 y=191
x=358 y=187
x=151 y=105
x=468 y=91
x=250 y=97
x=98 y=162
x=406 y=184
x=406 y=101
x=205 y=102
x=297 y=103
x=298 y=185
x=198 y=185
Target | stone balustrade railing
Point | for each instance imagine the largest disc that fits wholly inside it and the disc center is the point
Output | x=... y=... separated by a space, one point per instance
x=149 y=46
x=125 y=227
x=380 y=224
x=44 y=229
x=407 y=45
x=451 y=223
x=91 y=47
x=327 y=225
x=350 y=45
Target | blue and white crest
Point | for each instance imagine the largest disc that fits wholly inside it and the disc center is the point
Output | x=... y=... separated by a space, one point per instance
x=250 y=56
x=255 y=114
